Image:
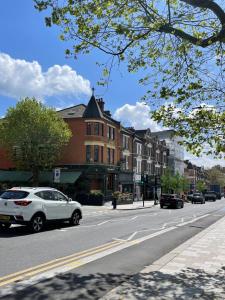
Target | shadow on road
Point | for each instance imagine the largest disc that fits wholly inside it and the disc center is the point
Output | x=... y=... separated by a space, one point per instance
x=187 y=284
x=24 y=230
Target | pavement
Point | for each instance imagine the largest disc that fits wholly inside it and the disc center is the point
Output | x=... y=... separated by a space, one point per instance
x=134 y=205
x=193 y=270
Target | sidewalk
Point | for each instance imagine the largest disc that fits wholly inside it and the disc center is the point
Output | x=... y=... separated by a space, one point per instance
x=135 y=205
x=194 y=270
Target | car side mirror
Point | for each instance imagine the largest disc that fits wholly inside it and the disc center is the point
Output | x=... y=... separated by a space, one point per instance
x=69 y=199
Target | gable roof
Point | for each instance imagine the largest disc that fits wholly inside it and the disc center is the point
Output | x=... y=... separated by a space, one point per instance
x=75 y=111
x=92 y=110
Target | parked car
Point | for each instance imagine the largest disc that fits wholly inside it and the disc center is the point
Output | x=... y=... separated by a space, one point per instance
x=210 y=195
x=171 y=200
x=218 y=195
x=37 y=206
x=1 y=192
x=197 y=198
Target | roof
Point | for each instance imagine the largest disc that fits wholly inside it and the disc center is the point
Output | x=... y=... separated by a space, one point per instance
x=92 y=110
x=75 y=111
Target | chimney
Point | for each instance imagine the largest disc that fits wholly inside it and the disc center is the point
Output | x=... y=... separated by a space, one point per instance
x=101 y=104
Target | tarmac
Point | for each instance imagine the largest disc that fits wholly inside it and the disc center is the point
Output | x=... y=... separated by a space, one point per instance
x=194 y=270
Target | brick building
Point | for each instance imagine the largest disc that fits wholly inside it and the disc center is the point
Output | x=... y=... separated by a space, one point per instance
x=103 y=156
x=94 y=147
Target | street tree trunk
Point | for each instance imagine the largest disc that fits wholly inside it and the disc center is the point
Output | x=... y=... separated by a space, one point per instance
x=36 y=173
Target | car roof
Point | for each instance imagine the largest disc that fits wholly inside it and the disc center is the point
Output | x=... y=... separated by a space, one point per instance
x=32 y=189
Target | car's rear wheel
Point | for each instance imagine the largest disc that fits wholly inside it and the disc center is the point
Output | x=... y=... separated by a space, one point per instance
x=75 y=218
x=37 y=223
x=5 y=225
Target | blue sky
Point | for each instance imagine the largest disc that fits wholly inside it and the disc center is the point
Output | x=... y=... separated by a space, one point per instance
x=24 y=36
x=32 y=63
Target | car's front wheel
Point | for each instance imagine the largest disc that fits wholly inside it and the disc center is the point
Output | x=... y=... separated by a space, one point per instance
x=37 y=223
x=75 y=218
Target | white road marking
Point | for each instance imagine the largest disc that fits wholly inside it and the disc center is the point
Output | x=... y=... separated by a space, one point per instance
x=134 y=218
x=103 y=223
x=193 y=220
x=132 y=235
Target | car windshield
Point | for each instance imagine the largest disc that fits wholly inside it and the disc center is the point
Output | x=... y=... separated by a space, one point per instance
x=197 y=194
x=14 y=195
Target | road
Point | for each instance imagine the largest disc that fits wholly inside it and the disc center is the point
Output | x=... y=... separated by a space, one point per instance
x=108 y=247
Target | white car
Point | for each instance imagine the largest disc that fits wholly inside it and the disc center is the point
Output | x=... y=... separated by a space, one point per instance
x=36 y=206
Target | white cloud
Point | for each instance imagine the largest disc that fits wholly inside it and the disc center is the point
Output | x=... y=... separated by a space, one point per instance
x=20 y=78
x=205 y=160
x=137 y=116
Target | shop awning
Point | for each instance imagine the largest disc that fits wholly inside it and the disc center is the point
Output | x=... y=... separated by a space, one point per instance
x=15 y=176
x=65 y=177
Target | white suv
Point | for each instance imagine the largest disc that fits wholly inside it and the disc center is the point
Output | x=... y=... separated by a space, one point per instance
x=35 y=206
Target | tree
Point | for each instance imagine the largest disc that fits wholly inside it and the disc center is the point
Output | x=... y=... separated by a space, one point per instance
x=33 y=136
x=178 y=45
x=200 y=186
x=173 y=183
x=215 y=176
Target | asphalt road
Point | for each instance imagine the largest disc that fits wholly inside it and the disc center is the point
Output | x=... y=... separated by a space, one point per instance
x=107 y=248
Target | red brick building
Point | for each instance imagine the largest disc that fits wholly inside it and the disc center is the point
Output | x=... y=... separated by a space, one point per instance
x=94 y=146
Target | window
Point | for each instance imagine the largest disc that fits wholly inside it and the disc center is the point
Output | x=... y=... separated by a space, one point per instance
x=108 y=132
x=111 y=133
x=157 y=171
x=102 y=129
x=157 y=156
x=96 y=153
x=96 y=128
x=108 y=155
x=88 y=131
x=102 y=149
x=138 y=166
x=14 y=195
x=126 y=163
x=125 y=142
x=139 y=149
x=113 y=156
x=88 y=153
x=60 y=197
x=46 y=195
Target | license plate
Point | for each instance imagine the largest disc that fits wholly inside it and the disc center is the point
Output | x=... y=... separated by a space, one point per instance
x=4 y=218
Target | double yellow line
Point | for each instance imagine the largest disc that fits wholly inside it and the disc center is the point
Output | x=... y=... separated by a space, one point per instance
x=70 y=260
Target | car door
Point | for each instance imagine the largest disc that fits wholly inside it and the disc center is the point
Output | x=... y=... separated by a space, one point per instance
x=64 y=206
x=50 y=204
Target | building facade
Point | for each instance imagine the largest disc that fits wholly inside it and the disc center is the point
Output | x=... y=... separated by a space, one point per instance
x=176 y=151
x=102 y=156
x=94 y=147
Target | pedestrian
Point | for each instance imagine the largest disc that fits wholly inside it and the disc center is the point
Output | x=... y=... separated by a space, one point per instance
x=114 y=202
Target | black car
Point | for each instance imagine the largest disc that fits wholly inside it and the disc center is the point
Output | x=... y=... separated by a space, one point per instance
x=171 y=200
x=210 y=196
x=197 y=198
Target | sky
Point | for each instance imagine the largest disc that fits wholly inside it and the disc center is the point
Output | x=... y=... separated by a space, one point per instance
x=33 y=63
